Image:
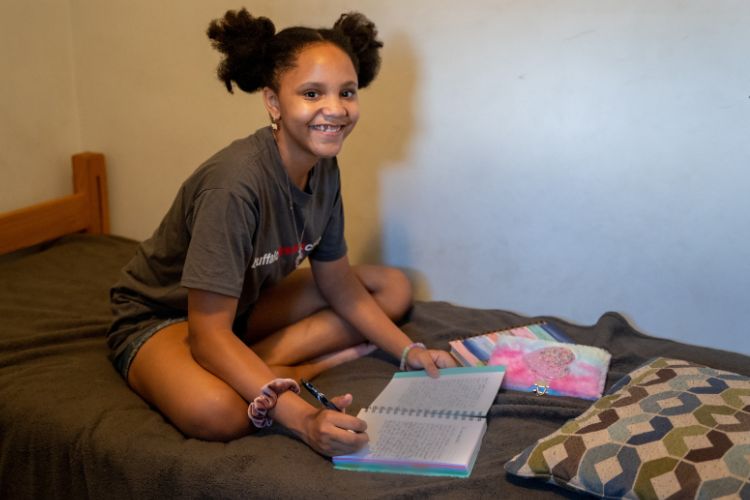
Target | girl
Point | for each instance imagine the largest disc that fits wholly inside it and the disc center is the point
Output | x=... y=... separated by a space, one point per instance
x=213 y=313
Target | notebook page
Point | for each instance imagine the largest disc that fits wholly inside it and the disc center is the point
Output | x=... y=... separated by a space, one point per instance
x=399 y=439
x=469 y=390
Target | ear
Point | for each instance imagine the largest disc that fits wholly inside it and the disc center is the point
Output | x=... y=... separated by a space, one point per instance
x=271 y=102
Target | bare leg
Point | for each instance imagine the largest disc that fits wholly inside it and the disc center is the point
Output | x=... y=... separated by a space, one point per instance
x=291 y=325
x=197 y=402
x=201 y=405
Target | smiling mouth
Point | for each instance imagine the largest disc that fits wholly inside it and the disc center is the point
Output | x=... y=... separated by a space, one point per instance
x=327 y=128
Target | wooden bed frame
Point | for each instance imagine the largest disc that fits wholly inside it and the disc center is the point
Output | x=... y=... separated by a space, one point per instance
x=86 y=210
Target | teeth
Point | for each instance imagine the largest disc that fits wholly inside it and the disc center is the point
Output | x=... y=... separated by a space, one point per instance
x=327 y=128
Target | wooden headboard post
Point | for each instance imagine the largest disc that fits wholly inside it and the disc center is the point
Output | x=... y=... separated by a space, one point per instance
x=86 y=210
x=90 y=176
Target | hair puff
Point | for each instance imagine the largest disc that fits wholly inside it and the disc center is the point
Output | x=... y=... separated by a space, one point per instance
x=362 y=35
x=242 y=39
x=255 y=55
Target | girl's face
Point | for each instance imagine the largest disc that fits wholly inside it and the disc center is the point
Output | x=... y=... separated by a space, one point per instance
x=316 y=106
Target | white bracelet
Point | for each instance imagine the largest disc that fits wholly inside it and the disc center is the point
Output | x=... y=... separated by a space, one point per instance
x=404 y=365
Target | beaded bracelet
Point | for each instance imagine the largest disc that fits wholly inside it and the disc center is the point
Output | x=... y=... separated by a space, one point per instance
x=258 y=410
x=404 y=366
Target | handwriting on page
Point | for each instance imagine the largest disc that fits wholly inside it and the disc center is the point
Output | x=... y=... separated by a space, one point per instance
x=415 y=440
x=446 y=393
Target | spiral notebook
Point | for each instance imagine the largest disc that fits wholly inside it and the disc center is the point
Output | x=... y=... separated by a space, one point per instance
x=425 y=426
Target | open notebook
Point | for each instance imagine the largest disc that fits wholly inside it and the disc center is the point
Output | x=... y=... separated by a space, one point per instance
x=420 y=425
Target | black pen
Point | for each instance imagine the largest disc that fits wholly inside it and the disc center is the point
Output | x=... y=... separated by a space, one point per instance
x=319 y=395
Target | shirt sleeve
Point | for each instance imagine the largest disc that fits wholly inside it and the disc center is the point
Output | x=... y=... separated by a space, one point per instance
x=221 y=226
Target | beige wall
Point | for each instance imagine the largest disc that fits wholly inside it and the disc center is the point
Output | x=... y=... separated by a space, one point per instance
x=39 y=125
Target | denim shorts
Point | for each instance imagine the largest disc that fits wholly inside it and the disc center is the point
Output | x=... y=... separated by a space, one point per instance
x=137 y=319
x=123 y=357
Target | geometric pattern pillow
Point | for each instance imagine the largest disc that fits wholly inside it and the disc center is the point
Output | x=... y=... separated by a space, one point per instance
x=670 y=428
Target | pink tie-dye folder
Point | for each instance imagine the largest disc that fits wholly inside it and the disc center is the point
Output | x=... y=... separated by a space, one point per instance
x=553 y=368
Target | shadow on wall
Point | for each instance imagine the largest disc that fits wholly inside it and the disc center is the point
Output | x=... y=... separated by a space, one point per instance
x=381 y=139
x=398 y=232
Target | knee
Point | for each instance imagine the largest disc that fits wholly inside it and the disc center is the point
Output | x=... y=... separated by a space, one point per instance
x=397 y=294
x=220 y=416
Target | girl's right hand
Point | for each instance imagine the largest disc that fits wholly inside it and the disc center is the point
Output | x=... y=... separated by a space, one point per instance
x=332 y=433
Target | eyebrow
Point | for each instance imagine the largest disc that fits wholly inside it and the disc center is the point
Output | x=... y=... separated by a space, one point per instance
x=305 y=85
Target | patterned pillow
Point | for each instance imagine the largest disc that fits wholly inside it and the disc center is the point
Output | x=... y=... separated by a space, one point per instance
x=668 y=429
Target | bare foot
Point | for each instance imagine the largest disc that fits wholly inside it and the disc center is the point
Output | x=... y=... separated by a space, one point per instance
x=325 y=362
x=328 y=361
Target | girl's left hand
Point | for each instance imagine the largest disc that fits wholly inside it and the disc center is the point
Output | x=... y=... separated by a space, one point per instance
x=429 y=360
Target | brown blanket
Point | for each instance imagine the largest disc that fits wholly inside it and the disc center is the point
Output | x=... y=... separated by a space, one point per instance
x=70 y=427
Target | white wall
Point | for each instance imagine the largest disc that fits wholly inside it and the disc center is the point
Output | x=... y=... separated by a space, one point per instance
x=577 y=157
x=549 y=157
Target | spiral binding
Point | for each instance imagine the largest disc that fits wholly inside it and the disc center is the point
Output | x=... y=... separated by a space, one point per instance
x=501 y=331
x=425 y=413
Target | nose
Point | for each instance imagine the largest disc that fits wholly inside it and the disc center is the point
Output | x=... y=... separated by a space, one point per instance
x=334 y=106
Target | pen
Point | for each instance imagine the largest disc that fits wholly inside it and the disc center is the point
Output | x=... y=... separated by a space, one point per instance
x=319 y=395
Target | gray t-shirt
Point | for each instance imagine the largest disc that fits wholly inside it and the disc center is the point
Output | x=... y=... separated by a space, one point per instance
x=232 y=230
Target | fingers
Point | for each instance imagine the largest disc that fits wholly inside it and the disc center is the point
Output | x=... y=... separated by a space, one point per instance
x=428 y=364
x=343 y=401
x=444 y=360
x=431 y=360
x=336 y=433
x=350 y=442
x=347 y=422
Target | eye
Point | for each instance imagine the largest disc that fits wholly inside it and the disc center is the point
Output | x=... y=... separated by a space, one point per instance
x=311 y=94
x=349 y=94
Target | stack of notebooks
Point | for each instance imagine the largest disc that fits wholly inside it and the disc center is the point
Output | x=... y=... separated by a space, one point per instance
x=476 y=350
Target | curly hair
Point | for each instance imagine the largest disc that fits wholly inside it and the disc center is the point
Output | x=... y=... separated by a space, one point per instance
x=254 y=55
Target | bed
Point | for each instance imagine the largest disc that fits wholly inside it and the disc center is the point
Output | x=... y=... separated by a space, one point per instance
x=71 y=428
